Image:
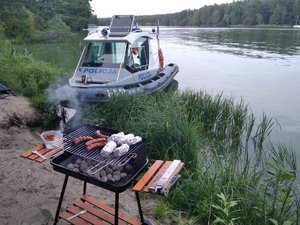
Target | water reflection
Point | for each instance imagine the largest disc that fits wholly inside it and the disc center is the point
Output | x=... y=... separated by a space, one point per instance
x=257 y=43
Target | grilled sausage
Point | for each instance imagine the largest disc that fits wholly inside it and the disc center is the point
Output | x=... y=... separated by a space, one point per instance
x=95 y=145
x=98 y=134
x=95 y=140
x=81 y=139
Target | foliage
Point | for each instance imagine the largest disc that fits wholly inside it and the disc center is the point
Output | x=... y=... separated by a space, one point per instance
x=233 y=175
x=37 y=20
x=246 y=12
x=29 y=77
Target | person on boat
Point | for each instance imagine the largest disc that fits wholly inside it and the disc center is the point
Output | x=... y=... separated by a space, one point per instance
x=135 y=50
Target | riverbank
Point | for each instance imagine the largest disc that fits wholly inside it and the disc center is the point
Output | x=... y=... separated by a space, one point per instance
x=29 y=191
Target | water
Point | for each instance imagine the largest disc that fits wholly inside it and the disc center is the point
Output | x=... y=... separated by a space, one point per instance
x=260 y=66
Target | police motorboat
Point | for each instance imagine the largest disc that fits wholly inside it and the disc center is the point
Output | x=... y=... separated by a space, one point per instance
x=119 y=59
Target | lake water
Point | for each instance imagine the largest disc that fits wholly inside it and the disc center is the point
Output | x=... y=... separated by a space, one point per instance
x=261 y=66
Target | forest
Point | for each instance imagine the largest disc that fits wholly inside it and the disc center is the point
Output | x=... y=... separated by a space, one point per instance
x=237 y=13
x=42 y=20
x=52 y=20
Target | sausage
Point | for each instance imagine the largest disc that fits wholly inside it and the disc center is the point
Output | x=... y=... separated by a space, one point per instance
x=95 y=146
x=81 y=139
x=95 y=140
x=98 y=134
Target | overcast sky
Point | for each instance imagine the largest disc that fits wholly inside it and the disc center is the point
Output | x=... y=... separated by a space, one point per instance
x=150 y=7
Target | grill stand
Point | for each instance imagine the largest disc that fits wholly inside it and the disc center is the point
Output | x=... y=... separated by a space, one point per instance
x=116 y=212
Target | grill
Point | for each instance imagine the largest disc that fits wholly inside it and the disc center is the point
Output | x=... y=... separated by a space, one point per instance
x=90 y=166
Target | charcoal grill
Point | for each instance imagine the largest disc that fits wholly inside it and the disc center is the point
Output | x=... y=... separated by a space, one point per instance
x=135 y=159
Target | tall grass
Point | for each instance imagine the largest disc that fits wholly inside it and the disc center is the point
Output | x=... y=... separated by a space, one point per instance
x=226 y=150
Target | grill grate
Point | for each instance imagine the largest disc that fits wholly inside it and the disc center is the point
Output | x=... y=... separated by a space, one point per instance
x=103 y=161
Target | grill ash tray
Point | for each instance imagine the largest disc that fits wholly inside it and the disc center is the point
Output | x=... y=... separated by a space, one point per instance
x=118 y=178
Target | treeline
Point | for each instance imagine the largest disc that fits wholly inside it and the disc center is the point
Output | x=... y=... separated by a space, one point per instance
x=238 y=13
x=44 y=19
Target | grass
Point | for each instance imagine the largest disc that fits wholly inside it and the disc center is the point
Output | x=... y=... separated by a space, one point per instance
x=233 y=174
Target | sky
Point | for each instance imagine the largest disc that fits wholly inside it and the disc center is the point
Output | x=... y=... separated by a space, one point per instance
x=151 y=7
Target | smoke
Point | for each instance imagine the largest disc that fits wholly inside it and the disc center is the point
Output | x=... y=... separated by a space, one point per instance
x=62 y=96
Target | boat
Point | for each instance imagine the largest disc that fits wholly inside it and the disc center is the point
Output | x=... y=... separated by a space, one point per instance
x=119 y=59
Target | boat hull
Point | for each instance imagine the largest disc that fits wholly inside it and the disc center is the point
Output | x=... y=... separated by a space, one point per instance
x=71 y=95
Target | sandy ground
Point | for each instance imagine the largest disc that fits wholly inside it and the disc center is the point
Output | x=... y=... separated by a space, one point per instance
x=29 y=191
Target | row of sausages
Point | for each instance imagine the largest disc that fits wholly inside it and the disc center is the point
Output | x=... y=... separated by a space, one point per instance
x=92 y=143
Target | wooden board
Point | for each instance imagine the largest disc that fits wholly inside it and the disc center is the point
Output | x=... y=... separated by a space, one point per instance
x=139 y=186
x=28 y=154
x=155 y=172
x=97 y=213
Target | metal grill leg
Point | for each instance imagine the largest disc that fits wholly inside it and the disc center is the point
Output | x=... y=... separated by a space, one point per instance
x=117 y=208
x=62 y=193
x=84 y=187
x=139 y=206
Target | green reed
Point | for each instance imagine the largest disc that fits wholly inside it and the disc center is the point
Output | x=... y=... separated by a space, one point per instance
x=226 y=151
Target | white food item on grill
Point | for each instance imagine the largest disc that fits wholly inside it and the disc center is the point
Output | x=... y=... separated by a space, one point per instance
x=116 y=137
x=134 y=140
x=120 y=138
x=108 y=148
x=121 y=150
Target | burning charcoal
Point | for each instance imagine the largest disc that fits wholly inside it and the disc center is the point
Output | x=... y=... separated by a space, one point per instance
x=83 y=167
x=114 y=168
x=97 y=175
x=109 y=176
x=117 y=177
x=121 y=168
x=103 y=173
x=122 y=175
x=128 y=167
x=103 y=179
x=76 y=165
x=70 y=166
x=90 y=162
x=76 y=170
x=117 y=172
x=84 y=163
x=109 y=170
x=78 y=161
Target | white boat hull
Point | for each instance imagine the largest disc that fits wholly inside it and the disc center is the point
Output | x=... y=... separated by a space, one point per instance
x=74 y=95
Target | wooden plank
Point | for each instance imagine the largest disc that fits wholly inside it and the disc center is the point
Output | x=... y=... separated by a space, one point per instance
x=139 y=186
x=128 y=219
x=158 y=174
x=35 y=156
x=98 y=212
x=29 y=152
x=85 y=216
x=49 y=154
x=75 y=221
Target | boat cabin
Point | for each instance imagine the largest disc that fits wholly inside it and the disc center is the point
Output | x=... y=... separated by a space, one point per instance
x=114 y=54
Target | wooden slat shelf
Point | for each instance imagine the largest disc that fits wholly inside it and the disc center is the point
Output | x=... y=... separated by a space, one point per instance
x=97 y=213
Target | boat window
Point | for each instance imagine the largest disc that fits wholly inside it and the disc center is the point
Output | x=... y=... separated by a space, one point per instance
x=104 y=54
x=138 y=55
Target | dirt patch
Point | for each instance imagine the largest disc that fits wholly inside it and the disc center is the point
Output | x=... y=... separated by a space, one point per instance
x=17 y=109
x=29 y=191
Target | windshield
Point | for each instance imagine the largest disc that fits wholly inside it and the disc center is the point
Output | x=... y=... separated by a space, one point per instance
x=104 y=54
